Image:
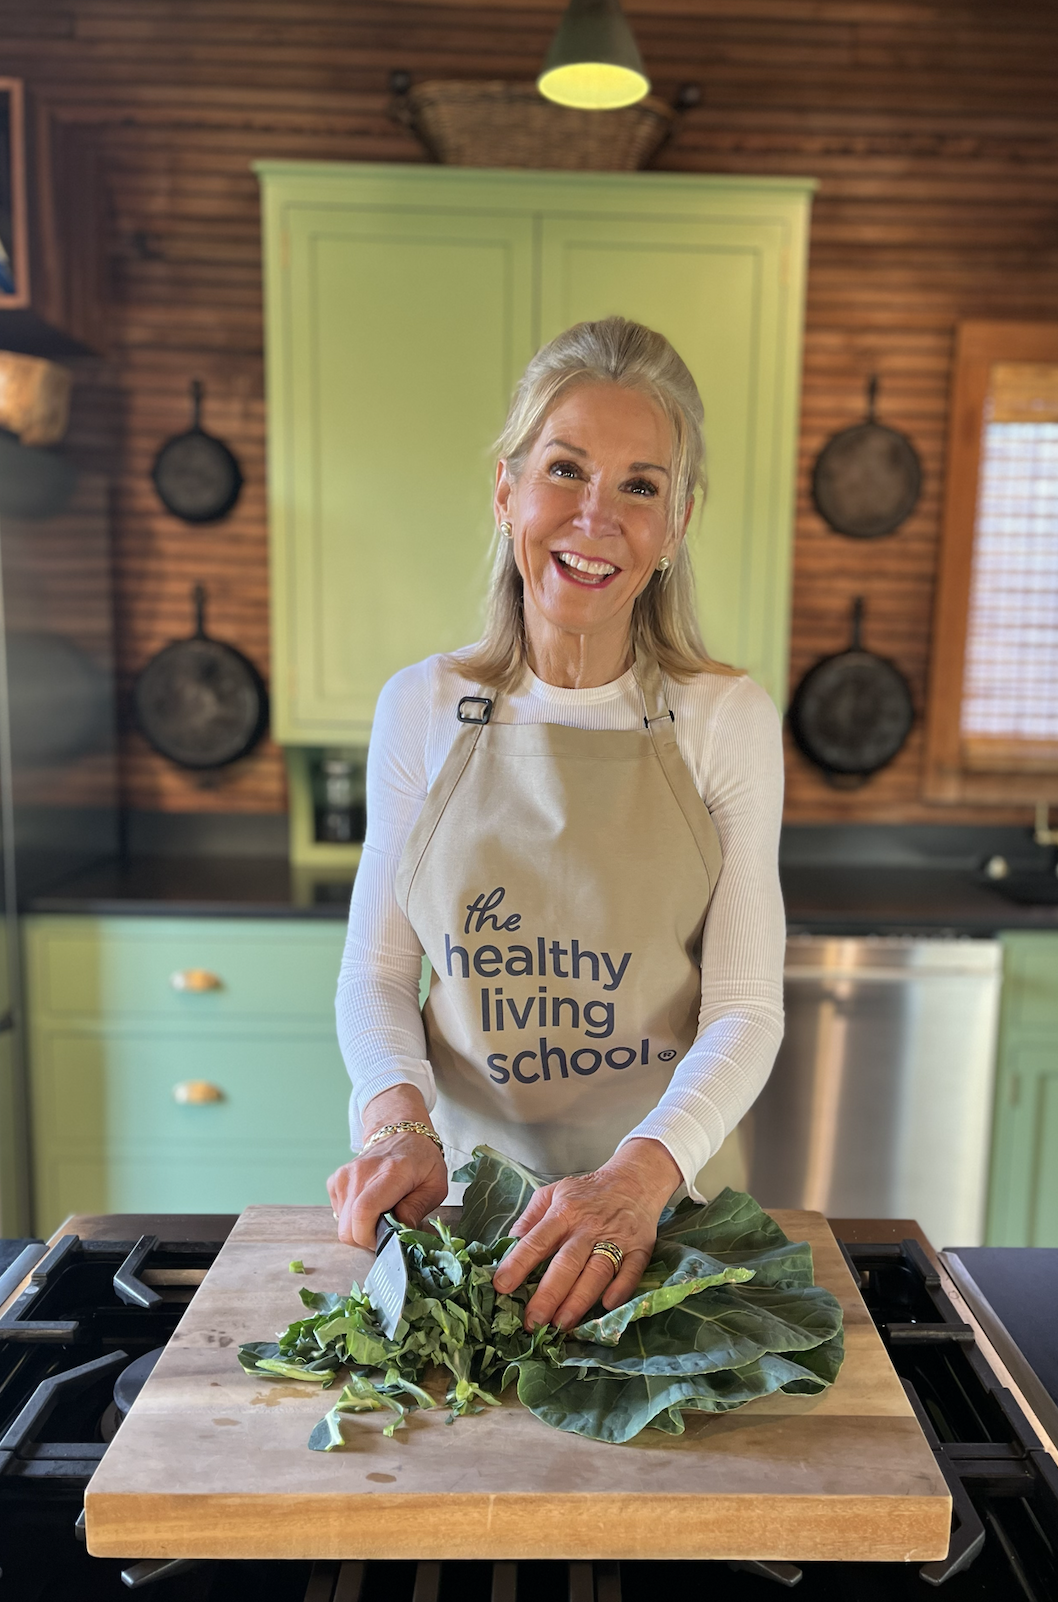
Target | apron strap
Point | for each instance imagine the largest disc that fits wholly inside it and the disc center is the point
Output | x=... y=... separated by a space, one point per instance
x=659 y=720
x=439 y=795
x=655 y=701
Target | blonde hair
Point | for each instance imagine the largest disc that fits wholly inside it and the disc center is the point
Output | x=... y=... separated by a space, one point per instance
x=665 y=614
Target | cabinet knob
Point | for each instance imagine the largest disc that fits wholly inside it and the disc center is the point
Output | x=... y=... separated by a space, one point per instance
x=195 y=1092
x=196 y=979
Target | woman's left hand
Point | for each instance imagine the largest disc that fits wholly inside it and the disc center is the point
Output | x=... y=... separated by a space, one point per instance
x=619 y=1202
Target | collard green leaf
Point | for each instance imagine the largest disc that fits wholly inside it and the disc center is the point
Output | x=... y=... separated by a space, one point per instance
x=613 y=1407
x=788 y=1264
x=251 y=1354
x=608 y=1327
x=732 y=1229
x=725 y=1327
x=327 y=1434
x=407 y=1387
x=277 y=1368
x=822 y=1363
x=357 y=1344
x=360 y=1396
x=669 y=1422
x=731 y=1223
x=498 y=1193
x=322 y=1301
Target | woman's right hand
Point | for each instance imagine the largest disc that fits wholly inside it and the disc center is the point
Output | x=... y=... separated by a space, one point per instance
x=403 y=1174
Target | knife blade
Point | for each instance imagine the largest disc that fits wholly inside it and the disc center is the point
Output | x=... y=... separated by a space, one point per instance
x=387 y=1283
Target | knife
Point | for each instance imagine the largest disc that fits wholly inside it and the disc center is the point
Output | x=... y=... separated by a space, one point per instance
x=387 y=1283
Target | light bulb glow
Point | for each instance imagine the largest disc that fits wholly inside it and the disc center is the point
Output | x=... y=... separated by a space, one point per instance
x=593 y=86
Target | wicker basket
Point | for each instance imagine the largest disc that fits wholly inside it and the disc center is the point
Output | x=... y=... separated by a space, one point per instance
x=512 y=125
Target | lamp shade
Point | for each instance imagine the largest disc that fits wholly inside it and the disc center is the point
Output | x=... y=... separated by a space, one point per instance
x=594 y=61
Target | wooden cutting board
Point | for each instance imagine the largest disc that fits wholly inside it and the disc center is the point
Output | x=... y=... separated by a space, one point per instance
x=211 y=1463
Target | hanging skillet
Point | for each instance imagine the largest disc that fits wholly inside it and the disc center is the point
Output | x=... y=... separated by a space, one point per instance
x=852 y=712
x=867 y=479
x=196 y=476
x=199 y=702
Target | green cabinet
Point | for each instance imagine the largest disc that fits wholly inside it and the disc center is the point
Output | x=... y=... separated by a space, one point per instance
x=402 y=304
x=182 y=1065
x=1023 y=1195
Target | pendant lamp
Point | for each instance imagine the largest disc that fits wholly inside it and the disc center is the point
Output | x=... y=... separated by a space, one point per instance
x=594 y=61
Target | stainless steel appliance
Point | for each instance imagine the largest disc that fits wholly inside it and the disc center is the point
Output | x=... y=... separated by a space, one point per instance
x=880 y=1102
x=58 y=760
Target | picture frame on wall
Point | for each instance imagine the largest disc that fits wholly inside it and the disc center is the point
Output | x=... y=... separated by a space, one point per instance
x=14 y=243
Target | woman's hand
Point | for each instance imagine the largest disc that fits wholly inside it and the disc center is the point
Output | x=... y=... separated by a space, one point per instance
x=620 y=1202
x=403 y=1174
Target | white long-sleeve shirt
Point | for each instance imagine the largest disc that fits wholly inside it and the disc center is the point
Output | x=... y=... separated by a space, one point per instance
x=728 y=733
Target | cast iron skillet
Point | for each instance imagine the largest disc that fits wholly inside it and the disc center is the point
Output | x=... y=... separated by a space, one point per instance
x=852 y=712
x=199 y=702
x=196 y=476
x=867 y=479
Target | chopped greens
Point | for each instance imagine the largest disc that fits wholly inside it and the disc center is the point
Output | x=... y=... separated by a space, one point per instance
x=297 y=1266
x=726 y=1312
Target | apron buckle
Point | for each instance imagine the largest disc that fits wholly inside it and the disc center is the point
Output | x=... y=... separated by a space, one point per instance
x=648 y=721
x=481 y=701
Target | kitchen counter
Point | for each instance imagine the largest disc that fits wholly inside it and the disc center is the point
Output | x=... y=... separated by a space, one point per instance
x=200 y=886
x=860 y=900
x=838 y=898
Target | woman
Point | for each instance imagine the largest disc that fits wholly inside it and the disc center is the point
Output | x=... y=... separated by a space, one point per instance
x=577 y=820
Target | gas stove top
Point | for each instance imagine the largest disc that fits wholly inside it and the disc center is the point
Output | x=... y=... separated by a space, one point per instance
x=79 y=1341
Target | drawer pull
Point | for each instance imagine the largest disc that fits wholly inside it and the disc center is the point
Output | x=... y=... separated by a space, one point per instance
x=195 y=1092
x=195 y=979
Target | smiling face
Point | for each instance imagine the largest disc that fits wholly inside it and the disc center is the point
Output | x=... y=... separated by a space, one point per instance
x=591 y=514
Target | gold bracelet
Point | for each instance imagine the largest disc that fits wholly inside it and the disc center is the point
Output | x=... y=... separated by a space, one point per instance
x=406 y=1126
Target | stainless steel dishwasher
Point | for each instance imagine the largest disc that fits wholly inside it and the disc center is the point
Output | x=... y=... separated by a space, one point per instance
x=880 y=1102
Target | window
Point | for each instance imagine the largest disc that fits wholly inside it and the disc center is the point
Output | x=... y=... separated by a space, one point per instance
x=13 y=272
x=993 y=705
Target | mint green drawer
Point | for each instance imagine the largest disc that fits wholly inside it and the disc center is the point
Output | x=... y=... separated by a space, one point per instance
x=133 y=968
x=104 y=1092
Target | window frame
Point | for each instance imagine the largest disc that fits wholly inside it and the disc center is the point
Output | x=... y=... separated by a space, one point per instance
x=13 y=89
x=951 y=774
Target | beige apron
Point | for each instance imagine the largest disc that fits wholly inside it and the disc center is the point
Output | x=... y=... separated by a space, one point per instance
x=558 y=880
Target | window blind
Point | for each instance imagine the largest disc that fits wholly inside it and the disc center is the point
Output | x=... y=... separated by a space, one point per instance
x=1010 y=686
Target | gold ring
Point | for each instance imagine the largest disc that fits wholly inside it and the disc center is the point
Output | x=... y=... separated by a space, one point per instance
x=610 y=1250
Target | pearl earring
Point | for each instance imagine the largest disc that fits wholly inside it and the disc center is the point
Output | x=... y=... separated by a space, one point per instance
x=663 y=564
x=506 y=530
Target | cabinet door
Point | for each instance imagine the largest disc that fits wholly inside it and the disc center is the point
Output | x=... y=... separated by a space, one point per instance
x=112 y=1137
x=111 y=1042
x=718 y=285
x=396 y=336
x=1023 y=1198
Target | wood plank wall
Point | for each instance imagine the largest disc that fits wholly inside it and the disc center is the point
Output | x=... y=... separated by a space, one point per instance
x=932 y=126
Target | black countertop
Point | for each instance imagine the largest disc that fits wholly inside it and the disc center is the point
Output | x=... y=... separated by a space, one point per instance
x=858 y=900
x=834 y=898
x=200 y=886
